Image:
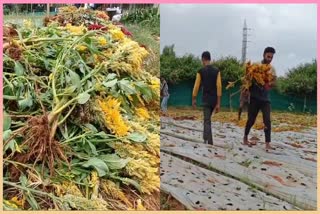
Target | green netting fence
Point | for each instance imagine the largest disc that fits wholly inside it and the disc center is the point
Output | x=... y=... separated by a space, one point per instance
x=181 y=95
x=36 y=18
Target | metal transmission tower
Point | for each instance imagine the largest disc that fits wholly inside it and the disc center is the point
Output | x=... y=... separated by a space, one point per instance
x=244 y=41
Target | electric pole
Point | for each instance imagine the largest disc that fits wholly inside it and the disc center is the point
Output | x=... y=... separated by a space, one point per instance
x=244 y=42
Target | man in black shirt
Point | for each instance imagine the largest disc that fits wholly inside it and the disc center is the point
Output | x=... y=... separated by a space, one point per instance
x=210 y=79
x=259 y=100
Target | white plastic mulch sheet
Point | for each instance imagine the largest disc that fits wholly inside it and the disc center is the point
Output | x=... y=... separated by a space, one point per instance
x=201 y=189
x=288 y=172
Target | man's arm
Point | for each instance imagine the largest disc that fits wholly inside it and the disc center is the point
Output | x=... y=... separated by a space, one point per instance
x=219 y=92
x=196 y=90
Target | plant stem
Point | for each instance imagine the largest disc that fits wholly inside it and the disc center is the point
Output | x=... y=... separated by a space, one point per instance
x=67 y=115
x=75 y=138
x=60 y=109
x=31 y=190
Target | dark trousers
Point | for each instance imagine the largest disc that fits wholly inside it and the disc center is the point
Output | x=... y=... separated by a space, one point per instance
x=207 y=133
x=253 y=109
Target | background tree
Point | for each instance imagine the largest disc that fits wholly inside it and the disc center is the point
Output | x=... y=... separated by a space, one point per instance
x=176 y=69
x=230 y=68
x=300 y=81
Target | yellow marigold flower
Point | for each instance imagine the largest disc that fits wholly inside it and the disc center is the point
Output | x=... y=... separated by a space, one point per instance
x=97 y=58
x=153 y=144
x=108 y=52
x=27 y=23
x=81 y=48
x=113 y=191
x=18 y=202
x=136 y=54
x=10 y=204
x=148 y=175
x=137 y=126
x=151 y=184
x=259 y=72
x=102 y=41
x=67 y=187
x=113 y=119
x=117 y=34
x=142 y=113
x=94 y=183
x=155 y=84
x=77 y=30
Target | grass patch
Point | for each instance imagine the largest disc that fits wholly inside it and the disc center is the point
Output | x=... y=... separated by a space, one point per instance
x=145 y=36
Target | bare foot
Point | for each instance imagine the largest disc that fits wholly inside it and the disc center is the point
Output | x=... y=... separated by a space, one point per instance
x=255 y=138
x=253 y=143
x=246 y=142
x=269 y=147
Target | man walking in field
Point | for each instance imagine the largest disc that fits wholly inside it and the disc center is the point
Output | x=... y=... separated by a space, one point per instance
x=210 y=79
x=259 y=100
x=164 y=93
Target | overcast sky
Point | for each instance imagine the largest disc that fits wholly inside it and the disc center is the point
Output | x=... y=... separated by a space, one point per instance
x=290 y=28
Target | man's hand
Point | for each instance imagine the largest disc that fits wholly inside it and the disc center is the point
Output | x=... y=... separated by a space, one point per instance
x=272 y=83
x=194 y=103
x=267 y=86
x=217 y=108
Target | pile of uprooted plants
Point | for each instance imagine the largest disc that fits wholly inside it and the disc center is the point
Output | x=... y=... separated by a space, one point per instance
x=81 y=116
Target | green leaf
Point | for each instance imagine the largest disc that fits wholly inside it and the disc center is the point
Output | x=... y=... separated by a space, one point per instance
x=126 y=86
x=32 y=201
x=83 y=98
x=18 y=68
x=27 y=102
x=12 y=145
x=6 y=134
x=110 y=83
x=64 y=131
x=98 y=164
x=75 y=79
x=70 y=89
x=91 y=127
x=23 y=180
x=68 y=63
x=89 y=84
x=82 y=68
x=137 y=137
x=6 y=121
x=76 y=172
x=145 y=90
x=85 y=147
x=93 y=148
x=128 y=181
x=114 y=161
x=111 y=76
x=102 y=134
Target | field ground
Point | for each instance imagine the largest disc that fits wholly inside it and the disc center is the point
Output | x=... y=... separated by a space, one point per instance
x=230 y=176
